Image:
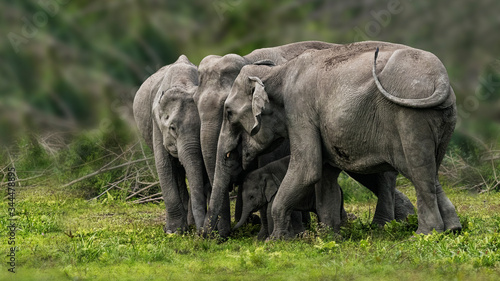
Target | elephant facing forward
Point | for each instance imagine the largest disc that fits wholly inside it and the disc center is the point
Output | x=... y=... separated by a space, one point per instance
x=168 y=121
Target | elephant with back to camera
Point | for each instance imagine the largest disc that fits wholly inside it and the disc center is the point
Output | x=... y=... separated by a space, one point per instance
x=168 y=121
x=216 y=77
x=341 y=106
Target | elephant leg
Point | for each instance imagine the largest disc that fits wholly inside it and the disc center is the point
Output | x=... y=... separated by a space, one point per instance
x=270 y=222
x=239 y=204
x=184 y=194
x=329 y=200
x=420 y=167
x=190 y=217
x=303 y=172
x=383 y=185
x=429 y=216
x=264 y=225
x=447 y=210
x=224 y=224
x=402 y=206
x=168 y=173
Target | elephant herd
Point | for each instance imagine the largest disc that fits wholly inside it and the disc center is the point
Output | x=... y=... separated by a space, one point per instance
x=281 y=123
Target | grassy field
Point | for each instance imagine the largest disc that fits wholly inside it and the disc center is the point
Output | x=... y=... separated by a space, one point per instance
x=62 y=236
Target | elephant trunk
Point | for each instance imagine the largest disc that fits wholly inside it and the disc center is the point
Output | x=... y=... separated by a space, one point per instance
x=191 y=158
x=243 y=219
x=209 y=137
x=220 y=189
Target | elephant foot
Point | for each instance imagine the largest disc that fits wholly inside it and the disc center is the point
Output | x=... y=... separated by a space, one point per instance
x=280 y=235
x=448 y=214
x=172 y=231
x=380 y=221
x=263 y=234
x=452 y=224
x=177 y=228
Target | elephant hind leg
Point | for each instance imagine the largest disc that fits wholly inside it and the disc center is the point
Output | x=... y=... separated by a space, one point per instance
x=422 y=171
x=447 y=210
x=383 y=185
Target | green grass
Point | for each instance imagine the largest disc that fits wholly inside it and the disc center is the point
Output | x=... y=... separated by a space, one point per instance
x=62 y=236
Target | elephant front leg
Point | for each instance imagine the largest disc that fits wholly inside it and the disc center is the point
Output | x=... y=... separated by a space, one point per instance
x=168 y=174
x=176 y=218
x=224 y=224
x=263 y=233
x=383 y=185
x=303 y=172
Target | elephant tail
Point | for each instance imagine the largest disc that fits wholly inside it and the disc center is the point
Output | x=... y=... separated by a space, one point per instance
x=441 y=92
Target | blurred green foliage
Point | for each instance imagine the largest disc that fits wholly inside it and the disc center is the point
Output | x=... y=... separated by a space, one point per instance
x=70 y=67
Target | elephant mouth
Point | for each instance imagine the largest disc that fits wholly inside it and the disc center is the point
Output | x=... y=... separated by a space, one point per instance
x=173 y=151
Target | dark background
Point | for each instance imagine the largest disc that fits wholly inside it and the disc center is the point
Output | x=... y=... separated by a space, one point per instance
x=69 y=69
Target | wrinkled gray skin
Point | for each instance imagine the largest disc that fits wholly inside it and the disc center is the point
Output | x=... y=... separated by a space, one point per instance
x=260 y=187
x=168 y=120
x=337 y=106
x=216 y=76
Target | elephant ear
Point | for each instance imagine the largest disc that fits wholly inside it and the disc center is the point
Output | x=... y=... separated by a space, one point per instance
x=272 y=188
x=259 y=102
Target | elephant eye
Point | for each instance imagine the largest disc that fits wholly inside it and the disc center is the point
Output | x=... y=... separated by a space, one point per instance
x=229 y=114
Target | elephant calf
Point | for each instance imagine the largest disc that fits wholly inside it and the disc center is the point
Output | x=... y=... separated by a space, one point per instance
x=168 y=121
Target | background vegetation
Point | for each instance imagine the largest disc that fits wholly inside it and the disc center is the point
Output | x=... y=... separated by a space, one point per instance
x=70 y=69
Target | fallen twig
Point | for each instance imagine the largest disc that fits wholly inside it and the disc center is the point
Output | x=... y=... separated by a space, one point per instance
x=103 y=170
x=148 y=200
x=148 y=197
x=141 y=190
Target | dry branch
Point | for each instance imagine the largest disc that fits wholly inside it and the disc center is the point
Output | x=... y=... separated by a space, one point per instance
x=141 y=190
x=149 y=197
x=103 y=170
x=148 y=200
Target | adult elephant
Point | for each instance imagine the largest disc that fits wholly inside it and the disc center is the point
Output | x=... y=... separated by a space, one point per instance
x=334 y=108
x=168 y=121
x=216 y=77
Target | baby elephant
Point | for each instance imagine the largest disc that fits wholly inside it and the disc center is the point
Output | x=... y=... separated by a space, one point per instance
x=260 y=187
